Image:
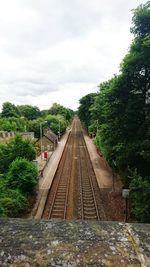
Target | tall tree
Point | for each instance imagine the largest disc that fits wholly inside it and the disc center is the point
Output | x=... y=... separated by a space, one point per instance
x=16 y=148
x=122 y=112
x=84 y=108
x=29 y=112
x=9 y=110
x=58 y=109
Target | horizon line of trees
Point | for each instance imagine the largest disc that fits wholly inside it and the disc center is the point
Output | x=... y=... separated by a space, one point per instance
x=28 y=118
x=119 y=116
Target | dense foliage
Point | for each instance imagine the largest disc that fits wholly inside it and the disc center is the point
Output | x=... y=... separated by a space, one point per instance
x=84 y=108
x=18 y=174
x=120 y=115
x=29 y=112
x=57 y=109
x=22 y=175
x=13 y=124
x=16 y=148
x=9 y=110
x=12 y=201
x=28 y=118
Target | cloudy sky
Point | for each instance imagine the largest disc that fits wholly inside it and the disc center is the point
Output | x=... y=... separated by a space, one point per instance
x=59 y=50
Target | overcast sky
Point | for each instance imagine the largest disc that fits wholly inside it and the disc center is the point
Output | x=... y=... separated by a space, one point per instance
x=60 y=50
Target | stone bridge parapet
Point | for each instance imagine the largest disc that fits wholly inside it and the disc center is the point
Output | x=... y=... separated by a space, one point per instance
x=33 y=243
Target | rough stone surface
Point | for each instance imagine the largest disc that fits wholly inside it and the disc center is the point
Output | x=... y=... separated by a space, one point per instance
x=33 y=243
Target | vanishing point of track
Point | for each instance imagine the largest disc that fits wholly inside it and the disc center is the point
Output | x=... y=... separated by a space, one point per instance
x=74 y=193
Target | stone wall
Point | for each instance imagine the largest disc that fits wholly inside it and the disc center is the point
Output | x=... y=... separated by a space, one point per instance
x=32 y=243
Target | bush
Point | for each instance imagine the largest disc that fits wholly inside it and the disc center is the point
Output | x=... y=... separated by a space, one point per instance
x=12 y=202
x=16 y=148
x=22 y=175
x=140 y=193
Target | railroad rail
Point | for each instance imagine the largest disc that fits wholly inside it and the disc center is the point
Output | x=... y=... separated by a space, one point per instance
x=56 y=205
x=78 y=187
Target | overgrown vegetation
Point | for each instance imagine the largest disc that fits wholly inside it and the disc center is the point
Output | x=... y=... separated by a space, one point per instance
x=120 y=116
x=28 y=118
x=18 y=174
x=16 y=148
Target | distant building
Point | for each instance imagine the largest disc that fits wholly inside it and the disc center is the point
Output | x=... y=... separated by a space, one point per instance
x=6 y=136
x=49 y=140
x=28 y=135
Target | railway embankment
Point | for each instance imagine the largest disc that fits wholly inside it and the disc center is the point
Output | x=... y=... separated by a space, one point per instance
x=34 y=243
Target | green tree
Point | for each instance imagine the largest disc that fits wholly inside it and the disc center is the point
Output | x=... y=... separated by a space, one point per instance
x=9 y=110
x=29 y=112
x=12 y=203
x=141 y=22
x=84 y=112
x=58 y=109
x=56 y=123
x=120 y=113
x=16 y=148
x=22 y=175
x=13 y=124
x=34 y=126
x=140 y=194
x=44 y=113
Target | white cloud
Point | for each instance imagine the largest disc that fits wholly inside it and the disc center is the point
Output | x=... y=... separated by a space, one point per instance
x=57 y=51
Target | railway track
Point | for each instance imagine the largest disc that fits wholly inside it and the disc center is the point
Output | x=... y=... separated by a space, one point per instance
x=74 y=193
x=88 y=208
x=56 y=205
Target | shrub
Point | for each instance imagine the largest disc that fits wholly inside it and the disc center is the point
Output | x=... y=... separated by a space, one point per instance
x=140 y=193
x=12 y=202
x=22 y=175
x=16 y=148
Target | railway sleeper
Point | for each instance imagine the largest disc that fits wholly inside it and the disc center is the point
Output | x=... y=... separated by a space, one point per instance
x=60 y=196
x=57 y=216
x=59 y=201
x=90 y=213
x=89 y=206
x=87 y=187
x=58 y=213
x=89 y=209
x=87 y=191
x=90 y=218
x=62 y=183
x=87 y=196
x=61 y=193
x=59 y=204
x=58 y=208
x=88 y=202
x=62 y=187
